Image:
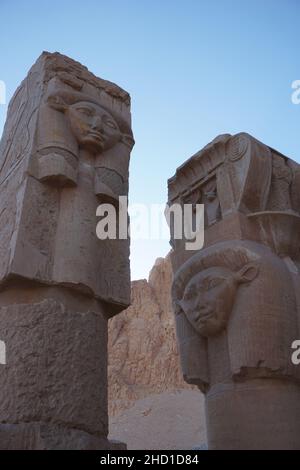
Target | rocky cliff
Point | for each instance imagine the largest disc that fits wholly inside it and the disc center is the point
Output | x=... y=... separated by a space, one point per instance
x=143 y=357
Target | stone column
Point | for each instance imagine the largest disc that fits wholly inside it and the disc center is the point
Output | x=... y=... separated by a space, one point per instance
x=65 y=150
x=236 y=300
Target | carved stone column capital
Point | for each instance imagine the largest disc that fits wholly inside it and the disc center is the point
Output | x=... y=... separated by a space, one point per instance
x=236 y=301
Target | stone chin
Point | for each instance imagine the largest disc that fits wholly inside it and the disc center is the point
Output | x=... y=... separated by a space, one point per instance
x=93 y=143
x=211 y=326
x=97 y=142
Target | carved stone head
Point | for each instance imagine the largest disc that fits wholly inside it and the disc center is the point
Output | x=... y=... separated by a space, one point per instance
x=209 y=297
x=82 y=125
x=206 y=286
x=240 y=296
x=93 y=127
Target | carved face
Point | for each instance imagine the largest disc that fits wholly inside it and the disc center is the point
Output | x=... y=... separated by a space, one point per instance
x=209 y=297
x=94 y=128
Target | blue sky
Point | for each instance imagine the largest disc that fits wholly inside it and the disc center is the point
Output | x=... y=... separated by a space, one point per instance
x=194 y=69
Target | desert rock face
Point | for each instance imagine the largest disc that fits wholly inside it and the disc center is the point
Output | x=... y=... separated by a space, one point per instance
x=143 y=357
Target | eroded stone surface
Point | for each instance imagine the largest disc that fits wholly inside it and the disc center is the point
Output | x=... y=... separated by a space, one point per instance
x=53 y=373
x=65 y=150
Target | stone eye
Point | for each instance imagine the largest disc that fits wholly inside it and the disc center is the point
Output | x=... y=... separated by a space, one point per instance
x=213 y=283
x=189 y=295
x=110 y=123
x=86 y=111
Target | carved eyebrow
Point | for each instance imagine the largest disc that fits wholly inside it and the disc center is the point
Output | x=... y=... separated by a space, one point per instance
x=205 y=284
x=109 y=118
x=190 y=291
x=213 y=279
x=85 y=108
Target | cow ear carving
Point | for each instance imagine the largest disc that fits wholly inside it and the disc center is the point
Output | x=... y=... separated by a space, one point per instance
x=248 y=273
x=57 y=102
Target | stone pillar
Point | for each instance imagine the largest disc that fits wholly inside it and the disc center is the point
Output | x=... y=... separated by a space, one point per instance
x=65 y=149
x=236 y=300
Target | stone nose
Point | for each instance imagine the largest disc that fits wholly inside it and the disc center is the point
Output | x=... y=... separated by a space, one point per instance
x=97 y=123
x=204 y=307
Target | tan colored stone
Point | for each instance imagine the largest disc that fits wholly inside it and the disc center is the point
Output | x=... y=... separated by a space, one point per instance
x=143 y=357
x=53 y=373
x=167 y=420
x=65 y=150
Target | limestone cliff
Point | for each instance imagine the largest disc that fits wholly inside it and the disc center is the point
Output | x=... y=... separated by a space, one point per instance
x=143 y=357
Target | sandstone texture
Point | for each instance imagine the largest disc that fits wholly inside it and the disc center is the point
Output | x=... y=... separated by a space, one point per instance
x=170 y=420
x=143 y=357
x=64 y=152
x=150 y=405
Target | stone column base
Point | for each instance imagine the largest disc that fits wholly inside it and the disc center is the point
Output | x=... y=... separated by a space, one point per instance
x=41 y=436
x=257 y=414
